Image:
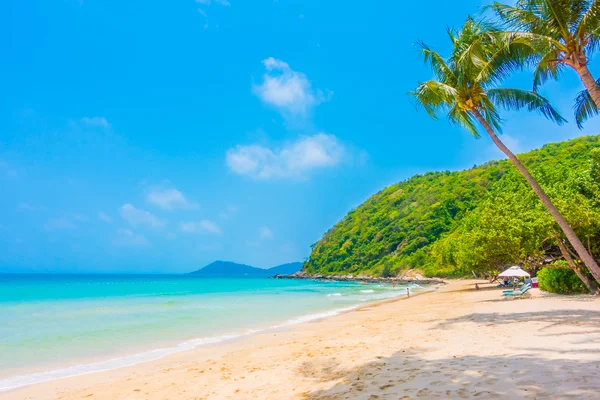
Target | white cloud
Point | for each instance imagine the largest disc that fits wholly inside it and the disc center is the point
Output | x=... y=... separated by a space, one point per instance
x=265 y=232
x=288 y=247
x=104 y=217
x=512 y=143
x=96 y=121
x=287 y=90
x=229 y=211
x=7 y=171
x=294 y=160
x=80 y=217
x=171 y=236
x=23 y=206
x=493 y=152
x=61 y=223
x=224 y=3
x=168 y=199
x=127 y=238
x=207 y=3
x=205 y=226
x=136 y=217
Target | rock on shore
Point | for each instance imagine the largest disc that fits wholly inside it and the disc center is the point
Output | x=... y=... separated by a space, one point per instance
x=417 y=278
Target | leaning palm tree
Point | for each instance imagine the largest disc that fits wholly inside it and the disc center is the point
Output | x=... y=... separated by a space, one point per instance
x=563 y=33
x=466 y=89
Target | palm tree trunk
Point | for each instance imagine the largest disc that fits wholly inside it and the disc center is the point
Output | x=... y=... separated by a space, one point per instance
x=590 y=83
x=591 y=285
x=587 y=259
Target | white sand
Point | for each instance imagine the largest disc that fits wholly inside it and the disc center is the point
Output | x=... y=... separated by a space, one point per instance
x=447 y=344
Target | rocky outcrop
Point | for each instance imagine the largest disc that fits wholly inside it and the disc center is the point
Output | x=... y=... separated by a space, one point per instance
x=418 y=279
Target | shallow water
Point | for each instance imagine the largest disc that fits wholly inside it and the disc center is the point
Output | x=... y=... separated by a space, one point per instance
x=61 y=325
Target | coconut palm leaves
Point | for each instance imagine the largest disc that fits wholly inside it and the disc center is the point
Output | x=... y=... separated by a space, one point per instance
x=560 y=34
x=467 y=80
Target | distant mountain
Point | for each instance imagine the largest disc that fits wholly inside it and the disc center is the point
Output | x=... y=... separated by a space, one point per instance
x=285 y=269
x=234 y=270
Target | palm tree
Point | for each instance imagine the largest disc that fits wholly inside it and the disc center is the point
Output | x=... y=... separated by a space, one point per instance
x=562 y=33
x=466 y=89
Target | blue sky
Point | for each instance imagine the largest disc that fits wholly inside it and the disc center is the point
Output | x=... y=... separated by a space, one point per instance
x=158 y=137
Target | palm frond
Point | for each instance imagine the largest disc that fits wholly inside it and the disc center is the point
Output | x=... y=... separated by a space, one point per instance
x=516 y=99
x=584 y=107
x=550 y=66
x=491 y=115
x=504 y=58
x=588 y=30
x=558 y=13
x=525 y=16
x=434 y=96
x=462 y=118
x=593 y=41
x=437 y=63
x=578 y=11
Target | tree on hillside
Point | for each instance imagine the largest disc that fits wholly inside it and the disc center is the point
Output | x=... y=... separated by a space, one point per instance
x=562 y=33
x=466 y=89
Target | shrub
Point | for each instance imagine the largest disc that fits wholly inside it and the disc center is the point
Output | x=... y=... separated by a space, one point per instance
x=560 y=280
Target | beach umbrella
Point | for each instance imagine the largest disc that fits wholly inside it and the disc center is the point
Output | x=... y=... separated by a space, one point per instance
x=515 y=271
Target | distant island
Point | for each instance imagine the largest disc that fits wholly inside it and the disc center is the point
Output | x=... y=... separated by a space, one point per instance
x=230 y=269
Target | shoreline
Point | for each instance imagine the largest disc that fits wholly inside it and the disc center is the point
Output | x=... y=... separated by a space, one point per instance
x=362 y=279
x=25 y=380
x=452 y=343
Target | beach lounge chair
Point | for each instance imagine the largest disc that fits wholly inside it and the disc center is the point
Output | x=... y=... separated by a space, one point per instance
x=514 y=294
x=520 y=289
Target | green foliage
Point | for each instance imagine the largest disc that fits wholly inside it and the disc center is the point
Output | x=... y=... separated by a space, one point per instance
x=465 y=87
x=560 y=280
x=482 y=219
x=556 y=34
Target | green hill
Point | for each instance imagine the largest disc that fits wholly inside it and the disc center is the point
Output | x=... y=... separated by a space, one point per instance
x=449 y=223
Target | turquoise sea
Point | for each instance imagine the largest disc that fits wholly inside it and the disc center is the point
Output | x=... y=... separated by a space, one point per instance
x=53 y=326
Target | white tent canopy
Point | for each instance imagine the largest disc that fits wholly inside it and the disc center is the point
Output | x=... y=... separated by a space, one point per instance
x=514 y=271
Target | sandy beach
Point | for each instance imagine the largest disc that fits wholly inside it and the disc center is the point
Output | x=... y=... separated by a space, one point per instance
x=452 y=343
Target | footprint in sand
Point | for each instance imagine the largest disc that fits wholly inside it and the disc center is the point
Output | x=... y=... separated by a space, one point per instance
x=486 y=395
x=527 y=383
x=424 y=392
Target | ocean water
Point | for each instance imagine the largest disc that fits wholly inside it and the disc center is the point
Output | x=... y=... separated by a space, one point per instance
x=53 y=326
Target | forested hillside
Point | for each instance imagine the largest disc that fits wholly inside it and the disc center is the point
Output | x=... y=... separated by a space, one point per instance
x=452 y=223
